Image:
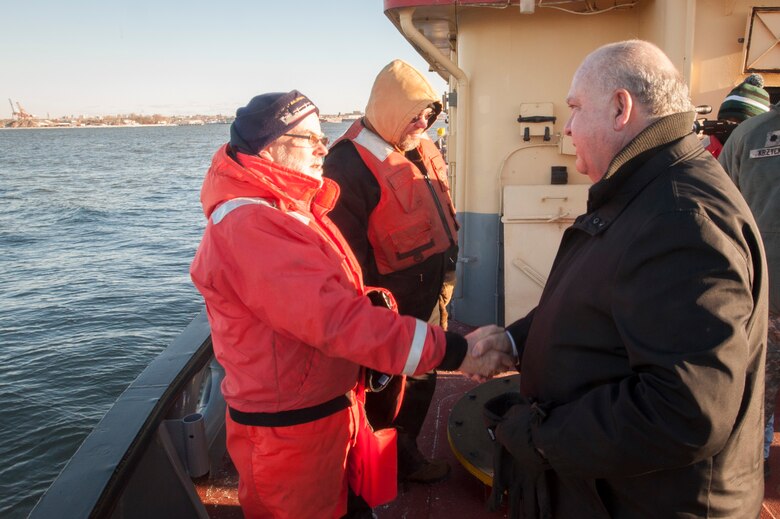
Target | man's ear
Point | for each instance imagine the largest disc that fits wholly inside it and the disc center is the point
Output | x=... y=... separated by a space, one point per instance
x=264 y=154
x=623 y=105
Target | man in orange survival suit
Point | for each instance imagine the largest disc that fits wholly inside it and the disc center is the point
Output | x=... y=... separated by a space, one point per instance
x=396 y=213
x=289 y=317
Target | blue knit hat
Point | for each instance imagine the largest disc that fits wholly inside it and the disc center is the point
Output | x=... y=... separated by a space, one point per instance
x=745 y=100
x=266 y=118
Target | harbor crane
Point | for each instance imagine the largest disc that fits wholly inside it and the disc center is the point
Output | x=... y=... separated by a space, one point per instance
x=18 y=113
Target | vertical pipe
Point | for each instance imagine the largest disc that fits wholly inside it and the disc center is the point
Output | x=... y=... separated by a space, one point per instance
x=690 y=34
x=460 y=176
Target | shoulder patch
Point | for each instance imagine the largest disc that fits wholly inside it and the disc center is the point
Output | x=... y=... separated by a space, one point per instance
x=772 y=139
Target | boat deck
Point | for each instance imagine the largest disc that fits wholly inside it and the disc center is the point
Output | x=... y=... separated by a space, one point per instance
x=460 y=495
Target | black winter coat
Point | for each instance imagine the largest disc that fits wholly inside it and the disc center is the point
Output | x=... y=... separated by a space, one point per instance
x=648 y=342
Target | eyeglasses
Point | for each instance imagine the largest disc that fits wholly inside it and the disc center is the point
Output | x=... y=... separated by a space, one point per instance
x=313 y=138
x=424 y=116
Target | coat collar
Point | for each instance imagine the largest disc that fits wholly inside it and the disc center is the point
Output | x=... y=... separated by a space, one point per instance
x=235 y=175
x=293 y=189
x=635 y=166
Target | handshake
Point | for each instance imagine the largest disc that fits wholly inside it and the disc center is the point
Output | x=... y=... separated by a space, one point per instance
x=489 y=353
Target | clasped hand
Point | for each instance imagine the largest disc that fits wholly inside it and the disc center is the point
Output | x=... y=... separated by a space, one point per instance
x=489 y=353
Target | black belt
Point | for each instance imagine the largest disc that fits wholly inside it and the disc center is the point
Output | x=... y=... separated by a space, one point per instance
x=292 y=417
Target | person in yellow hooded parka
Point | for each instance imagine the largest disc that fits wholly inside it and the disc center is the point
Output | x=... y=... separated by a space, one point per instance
x=396 y=212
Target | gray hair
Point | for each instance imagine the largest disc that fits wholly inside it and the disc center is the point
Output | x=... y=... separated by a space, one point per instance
x=646 y=72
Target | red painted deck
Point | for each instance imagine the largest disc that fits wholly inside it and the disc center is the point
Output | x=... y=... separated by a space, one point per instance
x=771 y=508
x=461 y=495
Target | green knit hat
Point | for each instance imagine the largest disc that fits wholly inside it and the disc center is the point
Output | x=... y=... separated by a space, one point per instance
x=745 y=100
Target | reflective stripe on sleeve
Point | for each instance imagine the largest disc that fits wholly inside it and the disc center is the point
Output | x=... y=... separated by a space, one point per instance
x=227 y=207
x=418 y=343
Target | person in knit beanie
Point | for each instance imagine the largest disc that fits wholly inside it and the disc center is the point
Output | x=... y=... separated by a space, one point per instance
x=266 y=118
x=745 y=100
x=751 y=157
x=292 y=323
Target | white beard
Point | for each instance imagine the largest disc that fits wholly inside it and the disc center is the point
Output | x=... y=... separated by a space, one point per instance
x=311 y=169
x=409 y=142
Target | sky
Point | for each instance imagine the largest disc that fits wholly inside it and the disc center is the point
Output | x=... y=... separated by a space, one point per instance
x=175 y=57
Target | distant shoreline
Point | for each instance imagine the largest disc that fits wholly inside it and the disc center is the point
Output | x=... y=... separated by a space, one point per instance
x=127 y=126
x=106 y=126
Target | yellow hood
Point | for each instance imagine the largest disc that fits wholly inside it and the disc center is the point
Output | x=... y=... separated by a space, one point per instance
x=399 y=94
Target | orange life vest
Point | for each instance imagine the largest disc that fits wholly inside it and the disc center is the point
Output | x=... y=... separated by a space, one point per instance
x=415 y=217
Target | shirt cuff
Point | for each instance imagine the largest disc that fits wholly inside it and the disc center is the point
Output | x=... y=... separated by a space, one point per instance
x=515 y=355
x=457 y=348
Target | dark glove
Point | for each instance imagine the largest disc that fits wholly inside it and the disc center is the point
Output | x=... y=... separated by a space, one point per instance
x=504 y=466
x=518 y=467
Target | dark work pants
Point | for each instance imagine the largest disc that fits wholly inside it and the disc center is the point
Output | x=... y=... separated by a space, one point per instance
x=418 y=394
